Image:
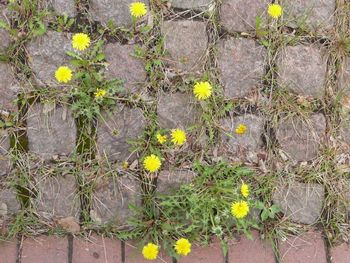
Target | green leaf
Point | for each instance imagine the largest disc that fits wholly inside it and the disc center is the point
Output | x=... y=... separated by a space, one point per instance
x=73 y=55
x=264 y=215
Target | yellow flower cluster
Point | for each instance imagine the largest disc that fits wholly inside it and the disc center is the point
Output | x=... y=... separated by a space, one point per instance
x=245 y=190
x=150 y=251
x=161 y=138
x=182 y=248
x=152 y=163
x=63 y=74
x=178 y=137
x=80 y=41
x=202 y=90
x=100 y=93
x=241 y=129
x=138 y=9
x=240 y=209
x=275 y=10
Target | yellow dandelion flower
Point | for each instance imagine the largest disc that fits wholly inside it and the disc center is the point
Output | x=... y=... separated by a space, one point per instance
x=245 y=190
x=183 y=247
x=161 y=138
x=138 y=9
x=150 y=251
x=275 y=10
x=80 y=41
x=100 y=93
x=152 y=163
x=63 y=74
x=241 y=129
x=125 y=165
x=202 y=90
x=178 y=137
x=240 y=209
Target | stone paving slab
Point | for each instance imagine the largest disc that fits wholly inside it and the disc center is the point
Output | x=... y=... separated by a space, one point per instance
x=242 y=66
x=245 y=145
x=199 y=5
x=240 y=15
x=46 y=54
x=8 y=251
x=9 y=204
x=201 y=254
x=344 y=78
x=301 y=138
x=96 y=250
x=123 y=65
x=186 y=42
x=177 y=110
x=251 y=251
x=316 y=14
x=309 y=247
x=9 y=88
x=340 y=253
x=301 y=203
x=5 y=37
x=112 y=198
x=57 y=196
x=115 y=130
x=45 y=249
x=241 y=63
x=51 y=131
x=64 y=7
x=116 y=11
x=302 y=69
x=5 y=163
x=171 y=180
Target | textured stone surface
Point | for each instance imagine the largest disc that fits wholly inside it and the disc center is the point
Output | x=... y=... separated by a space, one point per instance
x=302 y=69
x=251 y=251
x=5 y=38
x=114 y=131
x=57 y=196
x=169 y=181
x=340 y=253
x=46 y=54
x=241 y=144
x=64 y=7
x=112 y=10
x=300 y=138
x=9 y=205
x=301 y=203
x=5 y=163
x=186 y=41
x=240 y=15
x=8 y=251
x=45 y=249
x=315 y=13
x=191 y=4
x=345 y=76
x=201 y=254
x=308 y=247
x=50 y=132
x=97 y=250
x=241 y=64
x=112 y=197
x=124 y=66
x=9 y=88
x=177 y=110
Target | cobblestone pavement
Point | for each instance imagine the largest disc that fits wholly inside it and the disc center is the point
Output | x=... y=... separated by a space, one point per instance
x=287 y=81
x=307 y=248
